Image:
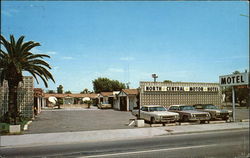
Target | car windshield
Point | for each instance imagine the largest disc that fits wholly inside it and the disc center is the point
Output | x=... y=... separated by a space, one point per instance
x=186 y=108
x=157 y=109
x=210 y=107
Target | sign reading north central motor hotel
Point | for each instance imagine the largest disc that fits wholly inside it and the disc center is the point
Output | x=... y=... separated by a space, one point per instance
x=192 y=89
x=160 y=93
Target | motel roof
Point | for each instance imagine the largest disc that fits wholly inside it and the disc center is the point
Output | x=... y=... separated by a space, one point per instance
x=131 y=91
x=91 y=95
x=106 y=94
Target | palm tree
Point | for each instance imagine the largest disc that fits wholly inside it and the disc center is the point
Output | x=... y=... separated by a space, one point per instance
x=15 y=58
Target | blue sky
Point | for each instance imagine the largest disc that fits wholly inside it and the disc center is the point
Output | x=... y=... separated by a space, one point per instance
x=128 y=41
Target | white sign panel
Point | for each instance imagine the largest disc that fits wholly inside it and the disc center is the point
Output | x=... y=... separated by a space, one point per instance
x=234 y=80
x=180 y=88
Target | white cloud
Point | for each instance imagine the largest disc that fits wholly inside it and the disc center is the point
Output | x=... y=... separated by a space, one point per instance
x=127 y=58
x=10 y=12
x=55 y=68
x=38 y=51
x=67 y=58
x=51 y=52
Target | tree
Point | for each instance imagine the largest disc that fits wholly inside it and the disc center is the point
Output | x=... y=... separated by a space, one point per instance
x=107 y=85
x=85 y=91
x=60 y=89
x=51 y=92
x=68 y=92
x=15 y=58
x=88 y=102
x=59 y=102
x=167 y=81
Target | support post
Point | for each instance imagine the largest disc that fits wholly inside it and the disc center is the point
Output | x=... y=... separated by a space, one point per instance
x=139 y=110
x=233 y=99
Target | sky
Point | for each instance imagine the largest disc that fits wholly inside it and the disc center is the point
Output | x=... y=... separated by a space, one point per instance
x=128 y=41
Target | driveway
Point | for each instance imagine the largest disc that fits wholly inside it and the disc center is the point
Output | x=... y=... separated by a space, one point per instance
x=51 y=121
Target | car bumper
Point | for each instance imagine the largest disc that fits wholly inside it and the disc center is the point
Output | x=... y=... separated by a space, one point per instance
x=222 y=116
x=166 y=120
x=200 y=119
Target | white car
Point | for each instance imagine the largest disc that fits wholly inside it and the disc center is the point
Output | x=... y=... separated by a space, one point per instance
x=155 y=114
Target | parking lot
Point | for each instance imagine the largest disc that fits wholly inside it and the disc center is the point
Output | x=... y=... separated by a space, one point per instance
x=50 y=121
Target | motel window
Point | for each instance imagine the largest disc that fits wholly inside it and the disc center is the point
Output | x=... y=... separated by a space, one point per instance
x=144 y=109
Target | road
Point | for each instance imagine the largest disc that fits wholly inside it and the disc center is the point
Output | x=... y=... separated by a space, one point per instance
x=234 y=143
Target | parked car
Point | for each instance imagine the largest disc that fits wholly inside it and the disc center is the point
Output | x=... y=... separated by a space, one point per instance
x=156 y=114
x=104 y=106
x=214 y=111
x=188 y=113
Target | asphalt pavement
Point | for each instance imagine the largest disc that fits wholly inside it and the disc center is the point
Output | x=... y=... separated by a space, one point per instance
x=74 y=120
x=115 y=134
x=223 y=144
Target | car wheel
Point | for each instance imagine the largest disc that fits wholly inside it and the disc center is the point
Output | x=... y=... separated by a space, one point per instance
x=185 y=118
x=152 y=120
x=225 y=119
x=202 y=121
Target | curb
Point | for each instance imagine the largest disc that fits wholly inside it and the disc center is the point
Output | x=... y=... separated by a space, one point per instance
x=170 y=132
x=245 y=120
x=26 y=125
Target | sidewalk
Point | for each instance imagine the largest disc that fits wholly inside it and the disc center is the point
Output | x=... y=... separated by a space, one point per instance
x=108 y=135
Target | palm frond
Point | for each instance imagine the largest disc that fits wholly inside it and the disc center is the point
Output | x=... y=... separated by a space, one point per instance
x=39 y=62
x=18 y=57
x=33 y=56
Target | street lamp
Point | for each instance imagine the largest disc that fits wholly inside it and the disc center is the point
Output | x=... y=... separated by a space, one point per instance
x=154 y=76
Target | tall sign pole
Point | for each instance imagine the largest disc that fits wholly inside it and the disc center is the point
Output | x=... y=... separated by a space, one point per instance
x=233 y=101
x=139 y=112
x=234 y=80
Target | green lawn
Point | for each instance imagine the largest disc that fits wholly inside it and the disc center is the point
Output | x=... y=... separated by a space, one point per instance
x=4 y=127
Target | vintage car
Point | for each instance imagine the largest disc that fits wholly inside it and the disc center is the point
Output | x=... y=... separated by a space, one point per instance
x=188 y=113
x=104 y=106
x=156 y=114
x=214 y=111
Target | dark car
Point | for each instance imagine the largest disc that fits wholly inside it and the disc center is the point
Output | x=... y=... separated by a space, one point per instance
x=214 y=111
x=189 y=113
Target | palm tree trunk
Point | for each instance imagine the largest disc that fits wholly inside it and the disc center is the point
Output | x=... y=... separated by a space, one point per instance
x=12 y=101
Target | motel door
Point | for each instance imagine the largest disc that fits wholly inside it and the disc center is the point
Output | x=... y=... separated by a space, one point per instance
x=111 y=101
x=123 y=103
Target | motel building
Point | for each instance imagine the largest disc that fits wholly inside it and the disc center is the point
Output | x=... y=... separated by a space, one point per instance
x=127 y=100
x=189 y=93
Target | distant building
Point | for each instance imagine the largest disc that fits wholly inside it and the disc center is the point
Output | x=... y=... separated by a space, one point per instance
x=106 y=98
x=25 y=97
x=39 y=100
x=70 y=99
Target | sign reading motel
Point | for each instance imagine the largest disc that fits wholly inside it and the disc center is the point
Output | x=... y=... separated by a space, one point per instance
x=234 y=80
